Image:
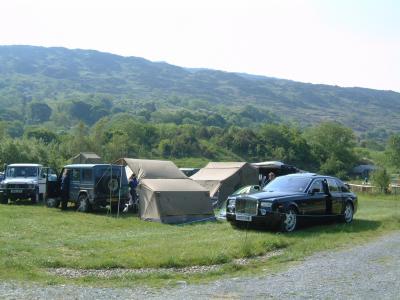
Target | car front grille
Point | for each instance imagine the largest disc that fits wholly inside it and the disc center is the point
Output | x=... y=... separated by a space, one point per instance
x=246 y=206
x=17 y=186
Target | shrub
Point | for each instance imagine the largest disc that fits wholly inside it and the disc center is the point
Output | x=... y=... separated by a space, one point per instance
x=381 y=179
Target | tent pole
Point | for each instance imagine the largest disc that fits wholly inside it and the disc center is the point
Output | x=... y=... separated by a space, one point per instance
x=119 y=192
x=110 y=189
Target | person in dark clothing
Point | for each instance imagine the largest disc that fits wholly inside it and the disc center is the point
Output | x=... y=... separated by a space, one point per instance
x=328 y=202
x=133 y=183
x=64 y=188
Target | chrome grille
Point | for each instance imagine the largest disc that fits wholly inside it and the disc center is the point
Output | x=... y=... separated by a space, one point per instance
x=246 y=206
x=17 y=186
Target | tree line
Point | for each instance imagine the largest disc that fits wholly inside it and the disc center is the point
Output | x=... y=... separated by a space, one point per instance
x=329 y=148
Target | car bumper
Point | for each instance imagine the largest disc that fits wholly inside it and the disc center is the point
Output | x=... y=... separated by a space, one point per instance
x=106 y=201
x=18 y=193
x=269 y=219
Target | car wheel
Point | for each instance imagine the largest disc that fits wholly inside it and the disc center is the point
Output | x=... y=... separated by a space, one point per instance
x=52 y=203
x=289 y=220
x=64 y=204
x=348 y=213
x=239 y=224
x=3 y=199
x=83 y=203
x=35 y=198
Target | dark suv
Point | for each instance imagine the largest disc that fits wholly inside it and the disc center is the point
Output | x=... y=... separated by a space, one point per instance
x=93 y=186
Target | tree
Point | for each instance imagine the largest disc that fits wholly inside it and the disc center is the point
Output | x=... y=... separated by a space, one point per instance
x=81 y=111
x=15 y=129
x=392 y=151
x=41 y=133
x=39 y=112
x=80 y=140
x=381 y=178
x=282 y=142
x=333 y=148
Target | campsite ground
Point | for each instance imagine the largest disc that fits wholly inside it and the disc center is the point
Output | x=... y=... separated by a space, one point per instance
x=45 y=246
x=368 y=271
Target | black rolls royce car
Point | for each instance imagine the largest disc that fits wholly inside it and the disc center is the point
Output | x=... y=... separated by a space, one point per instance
x=287 y=198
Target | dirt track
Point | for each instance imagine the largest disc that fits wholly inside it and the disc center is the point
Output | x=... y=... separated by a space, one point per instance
x=370 y=271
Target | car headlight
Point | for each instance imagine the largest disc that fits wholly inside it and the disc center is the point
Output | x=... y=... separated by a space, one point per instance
x=232 y=202
x=266 y=204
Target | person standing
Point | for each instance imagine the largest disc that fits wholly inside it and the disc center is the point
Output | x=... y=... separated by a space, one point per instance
x=271 y=176
x=64 y=187
x=133 y=183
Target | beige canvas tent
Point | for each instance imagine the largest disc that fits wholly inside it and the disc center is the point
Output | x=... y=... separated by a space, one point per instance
x=223 y=178
x=166 y=195
x=86 y=158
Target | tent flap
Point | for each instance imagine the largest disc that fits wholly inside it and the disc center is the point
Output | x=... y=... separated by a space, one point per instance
x=152 y=169
x=223 y=178
x=167 y=195
x=174 y=201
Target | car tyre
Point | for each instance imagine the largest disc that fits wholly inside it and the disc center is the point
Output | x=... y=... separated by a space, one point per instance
x=83 y=203
x=348 y=213
x=239 y=224
x=289 y=220
x=64 y=204
x=35 y=197
x=3 y=199
x=52 y=203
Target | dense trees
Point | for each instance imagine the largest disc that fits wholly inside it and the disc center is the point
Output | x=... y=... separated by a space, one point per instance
x=39 y=112
x=393 y=151
x=332 y=146
x=328 y=147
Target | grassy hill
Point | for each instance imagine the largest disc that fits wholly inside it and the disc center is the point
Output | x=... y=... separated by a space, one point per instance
x=59 y=75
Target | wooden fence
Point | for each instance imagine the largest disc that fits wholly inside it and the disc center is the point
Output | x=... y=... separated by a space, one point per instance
x=366 y=188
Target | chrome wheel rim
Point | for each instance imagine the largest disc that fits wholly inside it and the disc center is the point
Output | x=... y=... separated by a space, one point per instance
x=348 y=213
x=290 y=221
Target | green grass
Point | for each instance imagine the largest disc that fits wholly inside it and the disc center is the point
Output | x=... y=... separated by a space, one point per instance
x=34 y=238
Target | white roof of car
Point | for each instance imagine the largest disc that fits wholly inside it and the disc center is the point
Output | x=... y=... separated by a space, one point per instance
x=276 y=164
x=25 y=165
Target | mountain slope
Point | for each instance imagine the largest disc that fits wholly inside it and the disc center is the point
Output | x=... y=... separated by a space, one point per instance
x=49 y=75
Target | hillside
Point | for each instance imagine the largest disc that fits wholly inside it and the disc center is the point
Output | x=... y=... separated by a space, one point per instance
x=58 y=75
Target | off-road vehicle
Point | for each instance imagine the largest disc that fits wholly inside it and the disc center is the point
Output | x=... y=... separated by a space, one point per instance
x=26 y=181
x=92 y=186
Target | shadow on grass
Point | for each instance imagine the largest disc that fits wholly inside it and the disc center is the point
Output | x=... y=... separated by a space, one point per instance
x=333 y=226
x=321 y=226
x=102 y=211
x=23 y=202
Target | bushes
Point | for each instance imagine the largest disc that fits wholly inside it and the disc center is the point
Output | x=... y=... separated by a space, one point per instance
x=381 y=179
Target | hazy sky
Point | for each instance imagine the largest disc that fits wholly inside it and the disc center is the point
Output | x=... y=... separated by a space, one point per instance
x=338 y=42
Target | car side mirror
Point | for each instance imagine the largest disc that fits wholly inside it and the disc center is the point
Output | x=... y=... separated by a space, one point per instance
x=52 y=177
x=314 y=191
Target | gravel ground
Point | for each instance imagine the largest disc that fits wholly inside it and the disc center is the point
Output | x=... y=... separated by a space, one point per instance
x=370 y=271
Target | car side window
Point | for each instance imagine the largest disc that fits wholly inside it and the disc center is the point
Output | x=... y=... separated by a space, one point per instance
x=87 y=175
x=52 y=172
x=332 y=185
x=316 y=186
x=76 y=175
x=342 y=187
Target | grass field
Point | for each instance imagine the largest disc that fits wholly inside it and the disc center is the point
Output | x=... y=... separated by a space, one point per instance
x=35 y=238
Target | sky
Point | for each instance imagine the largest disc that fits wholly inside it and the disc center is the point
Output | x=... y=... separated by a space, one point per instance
x=337 y=42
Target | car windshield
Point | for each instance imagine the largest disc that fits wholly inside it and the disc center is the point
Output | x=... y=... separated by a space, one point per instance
x=287 y=184
x=22 y=172
x=242 y=190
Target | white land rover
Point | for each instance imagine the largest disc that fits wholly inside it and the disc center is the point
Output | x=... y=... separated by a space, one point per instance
x=25 y=181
